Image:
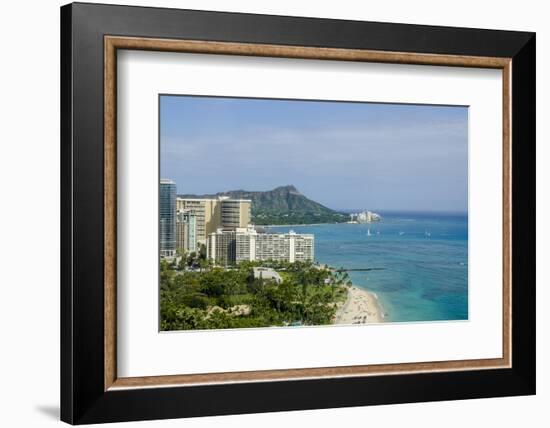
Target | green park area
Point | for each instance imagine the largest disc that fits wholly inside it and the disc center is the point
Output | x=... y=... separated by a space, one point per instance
x=194 y=294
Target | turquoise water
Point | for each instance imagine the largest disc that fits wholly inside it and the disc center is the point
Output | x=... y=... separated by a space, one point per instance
x=423 y=260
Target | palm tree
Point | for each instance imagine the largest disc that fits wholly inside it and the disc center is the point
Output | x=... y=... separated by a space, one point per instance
x=304 y=300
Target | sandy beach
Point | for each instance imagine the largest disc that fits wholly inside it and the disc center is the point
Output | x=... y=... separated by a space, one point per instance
x=361 y=307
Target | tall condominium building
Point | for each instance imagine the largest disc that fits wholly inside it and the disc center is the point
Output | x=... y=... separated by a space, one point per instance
x=186 y=231
x=235 y=213
x=365 y=217
x=167 y=218
x=246 y=244
x=207 y=215
x=220 y=247
x=290 y=247
x=213 y=213
x=302 y=246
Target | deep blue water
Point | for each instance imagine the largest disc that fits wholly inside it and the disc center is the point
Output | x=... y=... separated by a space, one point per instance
x=424 y=257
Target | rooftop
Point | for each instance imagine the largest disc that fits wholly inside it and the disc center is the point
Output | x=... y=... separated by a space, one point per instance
x=266 y=273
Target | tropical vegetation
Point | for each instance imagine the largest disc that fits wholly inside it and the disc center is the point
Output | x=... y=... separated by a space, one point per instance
x=194 y=294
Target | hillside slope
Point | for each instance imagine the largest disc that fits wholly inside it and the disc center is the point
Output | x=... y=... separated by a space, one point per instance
x=283 y=205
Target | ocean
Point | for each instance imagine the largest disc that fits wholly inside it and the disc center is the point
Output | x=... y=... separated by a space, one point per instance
x=420 y=262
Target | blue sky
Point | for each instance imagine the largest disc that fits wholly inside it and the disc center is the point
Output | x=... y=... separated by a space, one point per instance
x=343 y=155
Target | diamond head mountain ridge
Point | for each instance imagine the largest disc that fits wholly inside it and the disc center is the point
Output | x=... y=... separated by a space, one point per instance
x=282 y=205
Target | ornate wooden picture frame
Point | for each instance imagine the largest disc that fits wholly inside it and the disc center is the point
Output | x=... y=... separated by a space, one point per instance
x=91 y=389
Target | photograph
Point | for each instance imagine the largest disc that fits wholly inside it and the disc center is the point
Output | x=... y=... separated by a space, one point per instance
x=289 y=213
x=280 y=210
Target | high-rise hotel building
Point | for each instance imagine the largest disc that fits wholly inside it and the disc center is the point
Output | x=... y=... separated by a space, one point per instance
x=221 y=248
x=167 y=218
x=246 y=244
x=206 y=211
x=214 y=213
x=186 y=231
x=235 y=213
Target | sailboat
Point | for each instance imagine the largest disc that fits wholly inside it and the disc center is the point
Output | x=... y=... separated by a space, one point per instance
x=368 y=232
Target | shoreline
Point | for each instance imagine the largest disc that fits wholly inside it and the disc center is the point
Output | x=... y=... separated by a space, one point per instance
x=360 y=307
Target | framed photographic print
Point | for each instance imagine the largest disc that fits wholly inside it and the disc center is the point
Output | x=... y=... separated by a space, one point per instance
x=266 y=213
